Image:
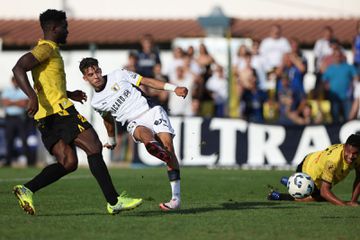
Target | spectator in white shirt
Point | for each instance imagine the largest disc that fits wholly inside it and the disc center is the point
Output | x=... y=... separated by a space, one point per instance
x=322 y=49
x=184 y=107
x=257 y=62
x=322 y=46
x=273 y=48
x=218 y=87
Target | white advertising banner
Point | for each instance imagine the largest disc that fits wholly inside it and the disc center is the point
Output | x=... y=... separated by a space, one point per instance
x=235 y=142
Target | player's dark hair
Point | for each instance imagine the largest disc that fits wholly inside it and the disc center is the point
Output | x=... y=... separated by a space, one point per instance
x=354 y=140
x=87 y=62
x=51 y=16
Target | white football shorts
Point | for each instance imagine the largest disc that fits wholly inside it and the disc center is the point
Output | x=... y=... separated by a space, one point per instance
x=156 y=119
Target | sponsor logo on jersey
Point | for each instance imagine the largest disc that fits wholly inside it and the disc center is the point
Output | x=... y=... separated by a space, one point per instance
x=115 y=87
x=119 y=101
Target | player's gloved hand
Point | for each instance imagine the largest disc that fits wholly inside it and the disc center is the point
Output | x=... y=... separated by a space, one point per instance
x=78 y=96
x=111 y=143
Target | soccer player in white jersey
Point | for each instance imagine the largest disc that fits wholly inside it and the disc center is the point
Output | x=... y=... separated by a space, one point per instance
x=117 y=97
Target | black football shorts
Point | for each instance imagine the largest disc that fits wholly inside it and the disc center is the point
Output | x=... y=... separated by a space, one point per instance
x=65 y=125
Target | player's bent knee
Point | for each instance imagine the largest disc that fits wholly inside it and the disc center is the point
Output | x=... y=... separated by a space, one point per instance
x=143 y=134
x=70 y=166
x=69 y=163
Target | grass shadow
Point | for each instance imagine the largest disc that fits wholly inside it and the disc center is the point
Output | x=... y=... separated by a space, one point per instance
x=227 y=206
x=255 y=205
x=221 y=207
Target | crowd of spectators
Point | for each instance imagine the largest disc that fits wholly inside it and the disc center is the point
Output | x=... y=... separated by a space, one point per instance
x=268 y=80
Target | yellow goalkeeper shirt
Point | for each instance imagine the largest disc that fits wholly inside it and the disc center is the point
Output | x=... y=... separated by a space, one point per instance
x=328 y=165
x=49 y=79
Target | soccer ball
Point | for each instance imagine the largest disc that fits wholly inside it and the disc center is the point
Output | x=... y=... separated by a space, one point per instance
x=300 y=185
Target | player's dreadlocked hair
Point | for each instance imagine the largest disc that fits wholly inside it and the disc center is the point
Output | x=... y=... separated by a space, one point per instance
x=88 y=62
x=51 y=16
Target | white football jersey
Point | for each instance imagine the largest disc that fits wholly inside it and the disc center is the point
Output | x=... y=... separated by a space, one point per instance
x=120 y=97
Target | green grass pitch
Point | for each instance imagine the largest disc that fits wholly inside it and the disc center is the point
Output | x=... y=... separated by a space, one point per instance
x=216 y=204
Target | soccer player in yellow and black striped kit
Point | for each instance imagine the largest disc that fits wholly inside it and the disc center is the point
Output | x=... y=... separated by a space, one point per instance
x=327 y=168
x=62 y=127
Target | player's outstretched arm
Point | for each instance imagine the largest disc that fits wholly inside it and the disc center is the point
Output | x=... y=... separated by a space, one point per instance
x=109 y=124
x=328 y=195
x=156 y=84
x=24 y=64
x=152 y=83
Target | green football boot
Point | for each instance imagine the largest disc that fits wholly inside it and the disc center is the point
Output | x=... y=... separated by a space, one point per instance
x=24 y=196
x=124 y=203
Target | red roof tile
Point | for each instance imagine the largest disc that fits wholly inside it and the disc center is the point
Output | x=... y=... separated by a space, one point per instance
x=306 y=30
x=20 y=33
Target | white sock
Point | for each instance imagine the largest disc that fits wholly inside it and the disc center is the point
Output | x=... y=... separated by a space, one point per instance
x=175 y=189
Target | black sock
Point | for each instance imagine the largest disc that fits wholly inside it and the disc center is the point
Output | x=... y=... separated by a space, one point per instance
x=47 y=176
x=99 y=170
x=174 y=175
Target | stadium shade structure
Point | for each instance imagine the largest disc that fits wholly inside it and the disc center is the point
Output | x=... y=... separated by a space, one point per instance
x=216 y=24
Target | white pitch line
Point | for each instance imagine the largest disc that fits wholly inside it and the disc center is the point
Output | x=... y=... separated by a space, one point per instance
x=27 y=179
